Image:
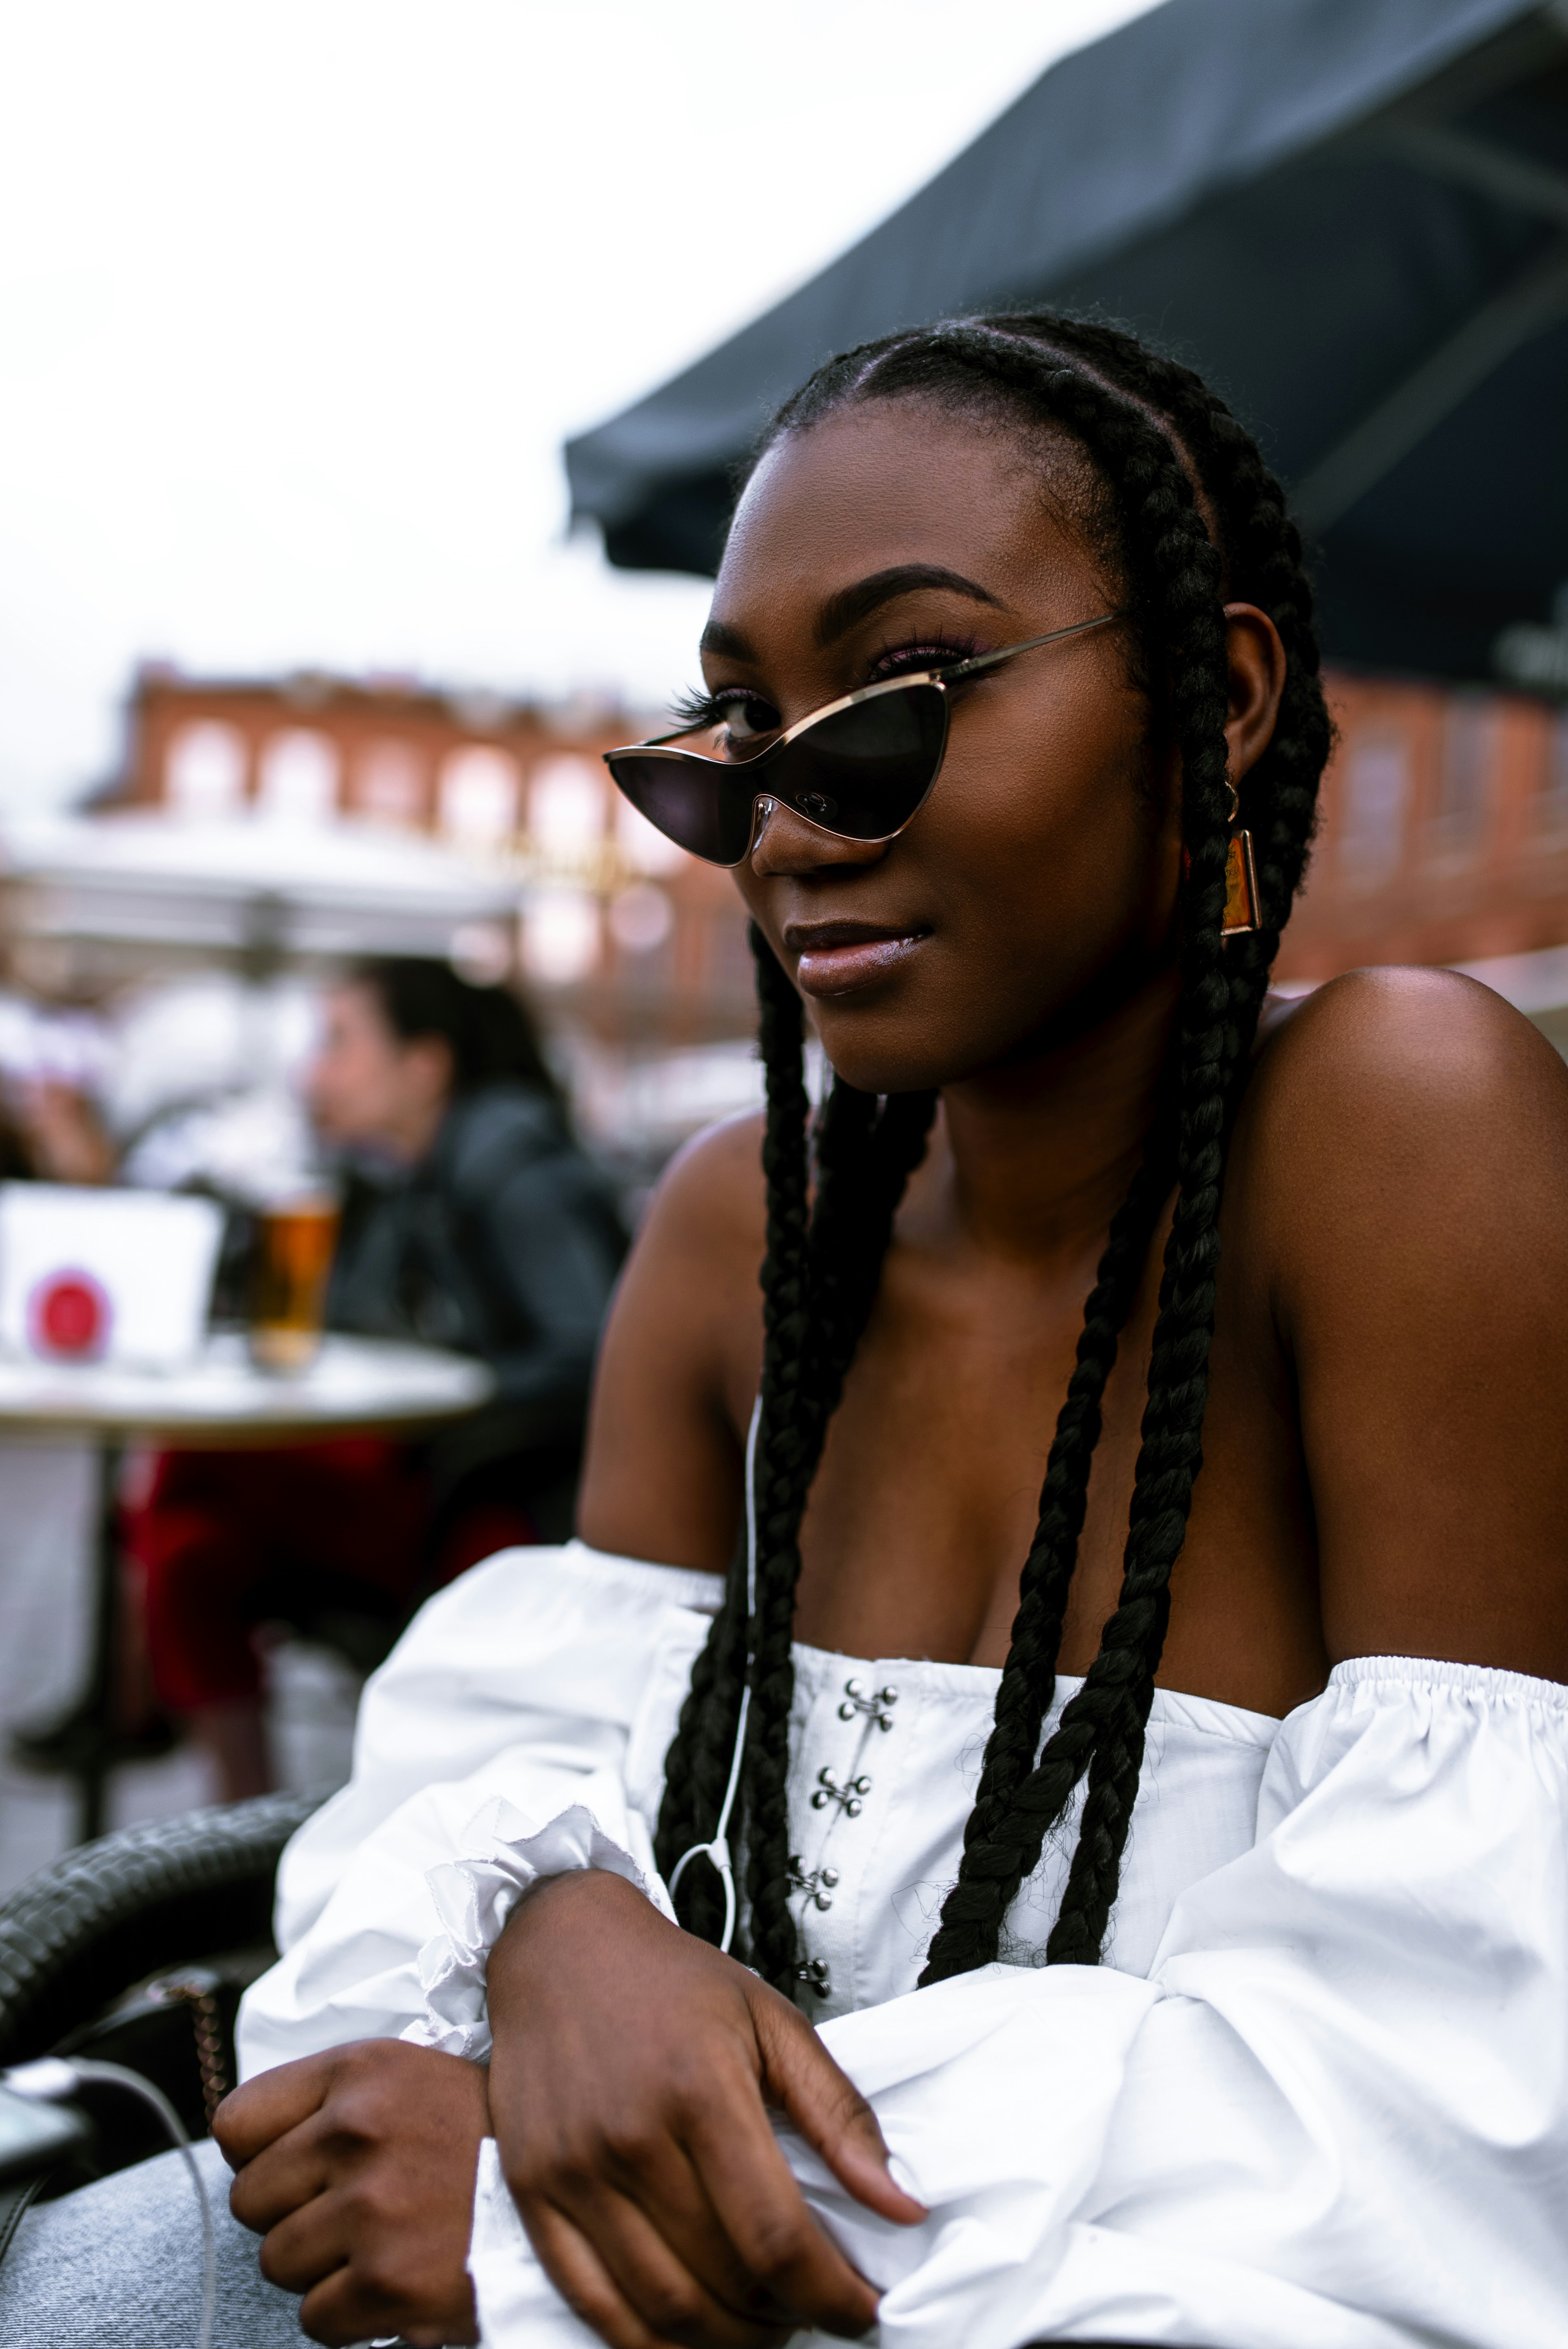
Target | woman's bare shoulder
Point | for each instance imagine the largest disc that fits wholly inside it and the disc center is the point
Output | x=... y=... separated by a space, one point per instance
x=712 y=1191
x=1407 y=1087
x=680 y=1359
x=1402 y=1171
x=1416 y=1025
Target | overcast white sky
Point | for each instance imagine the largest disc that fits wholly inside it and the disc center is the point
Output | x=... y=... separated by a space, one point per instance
x=299 y=299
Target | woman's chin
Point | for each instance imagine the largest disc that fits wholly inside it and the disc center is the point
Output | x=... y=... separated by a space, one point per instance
x=886 y=1055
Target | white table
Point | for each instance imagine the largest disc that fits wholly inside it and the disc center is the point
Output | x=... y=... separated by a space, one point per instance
x=355 y=1385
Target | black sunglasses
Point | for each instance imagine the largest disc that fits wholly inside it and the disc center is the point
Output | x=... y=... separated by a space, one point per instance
x=860 y=768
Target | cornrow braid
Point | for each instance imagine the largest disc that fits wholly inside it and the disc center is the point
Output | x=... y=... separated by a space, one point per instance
x=857 y=1201
x=1101 y=1731
x=972 y=1918
x=816 y=1300
x=697 y=1767
x=1261 y=551
x=1166 y=450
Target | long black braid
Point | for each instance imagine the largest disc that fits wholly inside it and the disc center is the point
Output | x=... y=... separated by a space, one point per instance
x=819 y=1282
x=1149 y=428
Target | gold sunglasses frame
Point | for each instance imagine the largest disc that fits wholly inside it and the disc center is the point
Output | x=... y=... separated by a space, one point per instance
x=764 y=804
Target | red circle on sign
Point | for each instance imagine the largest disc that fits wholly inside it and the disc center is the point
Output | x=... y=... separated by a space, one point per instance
x=70 y=1314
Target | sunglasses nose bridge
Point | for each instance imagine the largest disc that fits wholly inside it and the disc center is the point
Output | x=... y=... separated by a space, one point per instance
x=762 y=807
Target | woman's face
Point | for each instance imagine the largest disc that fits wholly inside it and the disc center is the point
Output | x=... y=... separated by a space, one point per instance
x=1039 y=880
x=366 y=1085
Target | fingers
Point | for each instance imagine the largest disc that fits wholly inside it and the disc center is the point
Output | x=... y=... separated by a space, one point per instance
x=763 y=2211
x=279 y=2179
x=269 y=2104
x=668 y=2196
x=356 y=2285
x=829 y=2110
x=668 y=2293
x=308 y=2244
x=347 y=2309
x=631 y=2289
x=584 y=2281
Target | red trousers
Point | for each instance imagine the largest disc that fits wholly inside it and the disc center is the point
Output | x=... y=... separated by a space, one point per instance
x=223 y=1540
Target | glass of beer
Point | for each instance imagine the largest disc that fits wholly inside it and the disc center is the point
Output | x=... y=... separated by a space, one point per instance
x=295 y=1241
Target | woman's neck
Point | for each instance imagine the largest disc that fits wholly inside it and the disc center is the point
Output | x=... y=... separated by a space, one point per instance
x=1039 y=1156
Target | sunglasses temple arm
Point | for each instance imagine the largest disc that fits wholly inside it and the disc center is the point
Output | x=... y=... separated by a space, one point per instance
x=990 y=660
x=661 y=741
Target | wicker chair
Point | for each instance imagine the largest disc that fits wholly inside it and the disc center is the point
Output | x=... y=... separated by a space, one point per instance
x=136 y=1948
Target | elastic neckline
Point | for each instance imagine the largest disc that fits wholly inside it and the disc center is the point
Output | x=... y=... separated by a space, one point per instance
x=1464 y=1679
x=820 y=1670
x=681 y=1585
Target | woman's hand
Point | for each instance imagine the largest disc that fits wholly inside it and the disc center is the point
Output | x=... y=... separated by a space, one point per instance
x=632 y=2071
x=358 y=2168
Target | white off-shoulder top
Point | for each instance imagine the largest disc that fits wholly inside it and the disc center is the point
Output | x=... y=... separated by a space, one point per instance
x=1316 y=2097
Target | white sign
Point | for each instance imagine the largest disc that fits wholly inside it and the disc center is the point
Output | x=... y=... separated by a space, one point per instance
x=90 y=1276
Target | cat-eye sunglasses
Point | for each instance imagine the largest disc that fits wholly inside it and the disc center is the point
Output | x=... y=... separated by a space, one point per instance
x=860 y=768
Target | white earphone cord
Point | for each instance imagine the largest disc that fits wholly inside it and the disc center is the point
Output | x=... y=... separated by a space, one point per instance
x=718 y=1851
x=51 y=2079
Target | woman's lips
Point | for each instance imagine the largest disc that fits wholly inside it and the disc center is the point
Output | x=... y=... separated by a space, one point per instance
x=835 y=961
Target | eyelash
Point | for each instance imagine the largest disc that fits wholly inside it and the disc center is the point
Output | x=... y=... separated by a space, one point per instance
x=700 y=709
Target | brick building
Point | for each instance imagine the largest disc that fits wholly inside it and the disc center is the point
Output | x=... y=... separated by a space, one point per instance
x=633 y=941
x=1443 y=839
x=1444 y=832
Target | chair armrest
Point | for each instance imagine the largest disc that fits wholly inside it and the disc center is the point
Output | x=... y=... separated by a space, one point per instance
x=174 y=1892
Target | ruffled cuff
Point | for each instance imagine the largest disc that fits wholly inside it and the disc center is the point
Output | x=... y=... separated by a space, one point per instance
x=506 y=1857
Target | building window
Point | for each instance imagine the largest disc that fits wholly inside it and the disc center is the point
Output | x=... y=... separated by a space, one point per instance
x=566 y=809
x=1377 y=797
x=1553 y=803
x=205 y=773
x=1464 y=777
x=641 y=918
x=561 y=937
x=479 y=796
x=299 y=777
x=645 y=847
x=390 y=783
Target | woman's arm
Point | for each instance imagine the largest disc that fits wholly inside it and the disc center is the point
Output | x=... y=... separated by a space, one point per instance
x=539 y=1658
x=1402 y=1165
x=680 y=1363
x=558 y=1663
x=631 y=2085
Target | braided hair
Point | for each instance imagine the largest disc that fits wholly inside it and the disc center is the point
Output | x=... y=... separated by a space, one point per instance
x=1194 y=514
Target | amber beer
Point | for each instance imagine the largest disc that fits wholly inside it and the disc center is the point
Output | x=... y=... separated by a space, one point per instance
x=295 y=1241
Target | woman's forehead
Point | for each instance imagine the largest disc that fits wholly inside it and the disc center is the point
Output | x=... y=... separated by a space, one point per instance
x=357 y=1002
x=892 y=483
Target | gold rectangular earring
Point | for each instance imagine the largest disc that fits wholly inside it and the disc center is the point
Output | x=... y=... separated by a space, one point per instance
x=1241 y=888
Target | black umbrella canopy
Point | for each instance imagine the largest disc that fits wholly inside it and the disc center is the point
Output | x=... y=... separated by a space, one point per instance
x=1352 y=215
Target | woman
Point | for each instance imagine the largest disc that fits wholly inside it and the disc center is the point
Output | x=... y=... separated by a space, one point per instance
x=1274 y=2052
x=472 y=1220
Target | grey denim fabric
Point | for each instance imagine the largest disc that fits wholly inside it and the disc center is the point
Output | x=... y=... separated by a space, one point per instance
x=118 y=2266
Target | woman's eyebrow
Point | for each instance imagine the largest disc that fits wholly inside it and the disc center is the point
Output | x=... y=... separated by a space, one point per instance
x=729 y=643
x=851 y=606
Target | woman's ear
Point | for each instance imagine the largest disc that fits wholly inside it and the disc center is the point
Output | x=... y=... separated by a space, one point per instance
x=1256 y=661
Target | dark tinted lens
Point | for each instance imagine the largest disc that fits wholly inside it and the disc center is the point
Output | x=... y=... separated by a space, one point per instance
x=864 y=771
x=697 y=804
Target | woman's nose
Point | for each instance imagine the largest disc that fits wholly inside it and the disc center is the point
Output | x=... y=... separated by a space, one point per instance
x=785 y=843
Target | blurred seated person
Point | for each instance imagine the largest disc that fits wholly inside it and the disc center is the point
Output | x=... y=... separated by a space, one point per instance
x=471 y=1219
x=50 y=1132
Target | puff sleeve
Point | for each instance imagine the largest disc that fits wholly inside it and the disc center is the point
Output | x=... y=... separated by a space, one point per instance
x=512 y=1694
